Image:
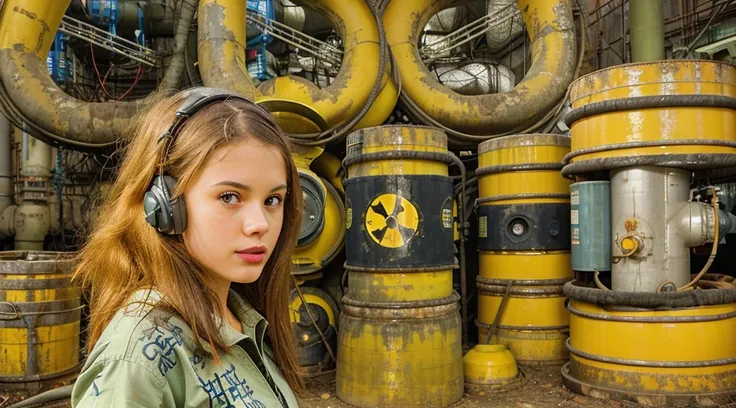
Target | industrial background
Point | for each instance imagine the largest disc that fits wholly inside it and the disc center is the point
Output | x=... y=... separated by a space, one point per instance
x=507 y=203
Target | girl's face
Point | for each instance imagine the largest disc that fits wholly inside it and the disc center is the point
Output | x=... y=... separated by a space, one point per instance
x=235 y=209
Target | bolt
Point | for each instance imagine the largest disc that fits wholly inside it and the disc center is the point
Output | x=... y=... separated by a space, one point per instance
x=312 y=217
x=517 y=229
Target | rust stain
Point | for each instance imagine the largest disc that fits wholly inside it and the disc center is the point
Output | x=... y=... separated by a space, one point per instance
x=631 y=225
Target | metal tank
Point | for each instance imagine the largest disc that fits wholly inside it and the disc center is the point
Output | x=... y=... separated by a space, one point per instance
x=662 y=333
x=40 y=314
x=400 y=331
x=524 y=245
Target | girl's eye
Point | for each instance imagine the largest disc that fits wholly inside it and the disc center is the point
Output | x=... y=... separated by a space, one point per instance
x=273 y=201
x=229 y=198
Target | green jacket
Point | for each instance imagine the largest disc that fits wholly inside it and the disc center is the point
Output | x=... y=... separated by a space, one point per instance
x=146 y=357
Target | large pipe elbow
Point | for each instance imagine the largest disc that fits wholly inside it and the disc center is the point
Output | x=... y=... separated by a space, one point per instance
x=552 y=34
x=28 y=29
x=222 y=57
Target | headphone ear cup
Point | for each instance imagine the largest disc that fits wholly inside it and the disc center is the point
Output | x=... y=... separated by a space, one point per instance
x=157 y=207
x=177 y=208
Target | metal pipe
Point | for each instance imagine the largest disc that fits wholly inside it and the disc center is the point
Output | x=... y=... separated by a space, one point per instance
x=222 y=27
x=29 y=95
x=461 y=229
x=552 y=35
x=646 y=25
x=6 y=168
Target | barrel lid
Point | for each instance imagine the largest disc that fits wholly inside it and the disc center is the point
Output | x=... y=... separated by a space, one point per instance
x=525 y=140
x=396 y=135
x=35 y=262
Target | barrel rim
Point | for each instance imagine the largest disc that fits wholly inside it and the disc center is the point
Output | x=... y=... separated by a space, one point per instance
x=603 y=71
x=515 y=141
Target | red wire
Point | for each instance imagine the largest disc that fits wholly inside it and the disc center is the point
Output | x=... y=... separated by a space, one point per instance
x=137 y=78
x=94 y=64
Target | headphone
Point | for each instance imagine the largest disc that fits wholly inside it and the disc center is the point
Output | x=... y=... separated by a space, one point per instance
x=169 y=216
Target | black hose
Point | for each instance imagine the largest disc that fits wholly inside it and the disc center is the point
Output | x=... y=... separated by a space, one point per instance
x=650 y=102
x=665 y=300
x=463 y=269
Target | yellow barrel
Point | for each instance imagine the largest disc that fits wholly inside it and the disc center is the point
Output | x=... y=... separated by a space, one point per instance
x=524 y=245
x=399 y=241
x=405 y=354
x=658 y=350
x=399 y=342
x=679 y=112
x=39 y=318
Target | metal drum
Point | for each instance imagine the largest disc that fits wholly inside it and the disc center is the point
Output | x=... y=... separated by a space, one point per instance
x=400 y=334
x=524 y=245
x=39 y=318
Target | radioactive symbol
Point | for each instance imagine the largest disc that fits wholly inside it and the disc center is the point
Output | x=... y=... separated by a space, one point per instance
x=391 y=220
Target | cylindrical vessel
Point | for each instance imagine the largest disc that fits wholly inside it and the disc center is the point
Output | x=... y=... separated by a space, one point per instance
x=399 y=241
x=590 y=226
x=39 y=318
x=399 y=342
x=676 y=113
x=406 y=354
x=662 y=355
x=644 y=203
x=524 y=244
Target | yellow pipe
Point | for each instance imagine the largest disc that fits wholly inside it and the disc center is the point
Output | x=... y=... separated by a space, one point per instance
x=27 y=29
x=552 y=35
x=222 y=58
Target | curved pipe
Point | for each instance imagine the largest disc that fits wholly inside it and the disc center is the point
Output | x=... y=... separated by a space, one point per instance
x=29 y=95
x=552 y=34
x=222 y=57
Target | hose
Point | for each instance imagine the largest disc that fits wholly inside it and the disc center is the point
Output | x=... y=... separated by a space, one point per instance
x=714 y=250
x=461 y=229
x=56 y=394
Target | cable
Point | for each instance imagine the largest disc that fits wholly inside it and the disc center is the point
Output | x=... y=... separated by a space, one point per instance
x=714 y=250
x=314 y=321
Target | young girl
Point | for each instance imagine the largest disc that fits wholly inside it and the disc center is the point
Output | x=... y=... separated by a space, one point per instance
x=188 y=265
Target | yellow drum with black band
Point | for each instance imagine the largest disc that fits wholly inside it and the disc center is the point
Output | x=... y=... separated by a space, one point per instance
x=399 y=239
x=400 y=333
x=524 y=245
x=40 y=314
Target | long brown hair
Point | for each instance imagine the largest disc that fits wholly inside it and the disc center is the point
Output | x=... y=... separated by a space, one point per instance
x=124 y=254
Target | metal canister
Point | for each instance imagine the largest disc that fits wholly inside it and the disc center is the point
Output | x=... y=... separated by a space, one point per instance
x=524 y=245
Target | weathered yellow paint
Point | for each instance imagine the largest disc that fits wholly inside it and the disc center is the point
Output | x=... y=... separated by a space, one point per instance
x=655 y=341
x=56 y=345
x=314 y=256
x=662 y=341
x=489 y=364
x=408 y=359
x=650 y=125
x=536 y=265
x=401 y=287
x=312 y=299
x=222 y=61
x=550 y=28
x=533 y=325
x=36 y=35
x=521 y=150
x=532 y=348
x=397 y=138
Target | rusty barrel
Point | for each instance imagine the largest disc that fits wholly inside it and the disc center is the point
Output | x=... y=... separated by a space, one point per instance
x=524 y=245
x=40 y=314
x=400 y=337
